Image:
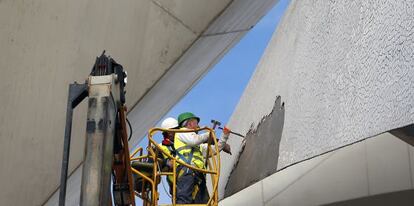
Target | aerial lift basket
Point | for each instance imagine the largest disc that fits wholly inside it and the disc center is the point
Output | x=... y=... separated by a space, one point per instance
x=148 y=172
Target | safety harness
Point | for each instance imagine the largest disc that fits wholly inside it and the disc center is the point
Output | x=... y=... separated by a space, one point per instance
x=190 y=155
x=188 y=161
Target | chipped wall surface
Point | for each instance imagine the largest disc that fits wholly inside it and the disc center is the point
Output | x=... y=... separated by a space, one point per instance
x=246 y=171
x=344 y=70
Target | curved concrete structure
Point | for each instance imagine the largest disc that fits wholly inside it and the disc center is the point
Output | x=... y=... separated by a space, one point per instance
x=376 y=171
x=48 y=44
x=344 y=71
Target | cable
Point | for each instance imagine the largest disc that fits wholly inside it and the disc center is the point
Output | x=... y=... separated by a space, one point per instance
x=130 y=129
x=113 y=176
x=129 y=123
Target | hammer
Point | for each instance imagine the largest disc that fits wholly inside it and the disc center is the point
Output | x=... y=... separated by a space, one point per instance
x=215 y=123
x=226 y=148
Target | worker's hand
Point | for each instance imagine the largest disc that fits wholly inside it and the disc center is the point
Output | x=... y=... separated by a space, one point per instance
x=226 y=131
x=227 y=149
x=169 y=163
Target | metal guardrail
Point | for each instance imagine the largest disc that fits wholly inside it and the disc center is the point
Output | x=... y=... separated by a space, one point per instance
x=212 y=163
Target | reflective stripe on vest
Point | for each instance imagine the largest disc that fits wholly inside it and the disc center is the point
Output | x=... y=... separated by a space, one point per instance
x=189 y=154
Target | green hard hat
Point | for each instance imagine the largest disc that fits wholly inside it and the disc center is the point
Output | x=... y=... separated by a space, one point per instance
x=185 y=116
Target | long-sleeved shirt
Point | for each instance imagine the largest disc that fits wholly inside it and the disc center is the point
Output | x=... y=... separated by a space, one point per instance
x=193 y=139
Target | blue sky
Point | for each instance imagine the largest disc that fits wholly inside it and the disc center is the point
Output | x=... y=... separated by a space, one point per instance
x=216 y=95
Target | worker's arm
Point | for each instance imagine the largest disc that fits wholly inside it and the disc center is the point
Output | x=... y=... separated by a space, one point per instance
x=223 y=140
x=221 y=143
x=193 y=139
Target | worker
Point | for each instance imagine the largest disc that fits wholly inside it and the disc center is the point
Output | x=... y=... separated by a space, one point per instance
x=167 y=146
x=190 y=148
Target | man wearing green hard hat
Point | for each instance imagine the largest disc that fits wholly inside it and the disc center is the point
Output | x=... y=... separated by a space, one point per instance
x=183 y=117
x=191 y=148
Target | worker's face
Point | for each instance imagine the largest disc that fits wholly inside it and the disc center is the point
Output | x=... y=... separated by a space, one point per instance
x=169 y=135
x=192 y=124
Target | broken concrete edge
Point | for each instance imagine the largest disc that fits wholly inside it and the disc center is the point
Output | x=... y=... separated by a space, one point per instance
x=253 y=129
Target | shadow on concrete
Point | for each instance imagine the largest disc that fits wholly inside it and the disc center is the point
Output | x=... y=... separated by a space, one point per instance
x=258 y=157
x=406 y=134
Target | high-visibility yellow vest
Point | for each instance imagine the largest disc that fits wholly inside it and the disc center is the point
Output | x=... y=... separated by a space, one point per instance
x=189 y=154
x=167 y=150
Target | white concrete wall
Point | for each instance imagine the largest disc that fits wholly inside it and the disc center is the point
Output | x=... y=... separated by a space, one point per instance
x=344 y=70
x=379 y=165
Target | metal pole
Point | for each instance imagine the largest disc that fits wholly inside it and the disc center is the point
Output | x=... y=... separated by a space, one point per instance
x=100 y=128
x=77 y=92
x=66 y=149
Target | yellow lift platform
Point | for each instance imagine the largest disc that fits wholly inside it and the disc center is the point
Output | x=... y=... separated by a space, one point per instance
x=148 y=172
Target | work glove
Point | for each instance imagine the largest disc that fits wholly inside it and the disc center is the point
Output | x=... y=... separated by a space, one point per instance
x=226 y=133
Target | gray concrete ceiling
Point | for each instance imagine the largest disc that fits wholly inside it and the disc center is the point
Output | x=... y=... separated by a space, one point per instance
x=48 y=44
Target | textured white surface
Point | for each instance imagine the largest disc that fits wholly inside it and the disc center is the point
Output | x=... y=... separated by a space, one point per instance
x=345 y=71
